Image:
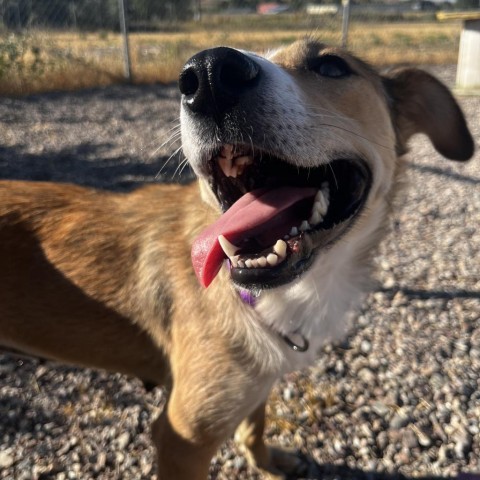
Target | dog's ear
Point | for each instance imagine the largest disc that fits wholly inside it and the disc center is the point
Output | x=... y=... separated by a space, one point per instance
x=421 y=104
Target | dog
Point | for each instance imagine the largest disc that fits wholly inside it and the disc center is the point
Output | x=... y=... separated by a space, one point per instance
x=217 y=288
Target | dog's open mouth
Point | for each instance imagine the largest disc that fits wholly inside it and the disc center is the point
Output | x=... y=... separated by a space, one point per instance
x=277 y=216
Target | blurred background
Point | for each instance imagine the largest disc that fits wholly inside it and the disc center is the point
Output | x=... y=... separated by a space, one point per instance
x=68 y=44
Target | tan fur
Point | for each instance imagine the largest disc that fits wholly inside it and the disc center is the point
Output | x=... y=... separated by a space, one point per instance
x=105 y=280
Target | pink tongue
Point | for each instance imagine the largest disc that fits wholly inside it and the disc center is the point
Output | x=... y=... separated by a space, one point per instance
x=248 y=213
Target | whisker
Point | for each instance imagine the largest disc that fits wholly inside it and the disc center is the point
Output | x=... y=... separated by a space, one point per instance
x=172 y=139
x=333 y=173
x=167 y=162
x=176 y=125
x=185 y=163
x=180 y=167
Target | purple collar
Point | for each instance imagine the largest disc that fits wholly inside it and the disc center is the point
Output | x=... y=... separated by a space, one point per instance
x=247 y=297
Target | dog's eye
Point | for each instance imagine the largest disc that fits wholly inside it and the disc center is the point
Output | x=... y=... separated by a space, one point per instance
x=330 y=66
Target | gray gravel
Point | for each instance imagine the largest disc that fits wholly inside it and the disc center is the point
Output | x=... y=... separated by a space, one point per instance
x=399 y=398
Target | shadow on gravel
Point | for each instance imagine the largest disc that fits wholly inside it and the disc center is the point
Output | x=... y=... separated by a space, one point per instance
x=341 y=472
x=445 y=172
x=92 y=166
x=427 y=294
x=121 y=92
x=27 y=419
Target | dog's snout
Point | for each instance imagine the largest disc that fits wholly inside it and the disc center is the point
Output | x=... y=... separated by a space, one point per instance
x=214 y=80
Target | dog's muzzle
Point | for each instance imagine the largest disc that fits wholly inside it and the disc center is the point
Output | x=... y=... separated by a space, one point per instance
x=214 y=80
x=244 y=141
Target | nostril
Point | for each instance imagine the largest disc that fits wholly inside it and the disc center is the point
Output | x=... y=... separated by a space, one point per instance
x=215 y=80
x=188 y=82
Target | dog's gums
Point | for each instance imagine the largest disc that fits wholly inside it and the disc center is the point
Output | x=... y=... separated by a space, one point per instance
x=277 y=216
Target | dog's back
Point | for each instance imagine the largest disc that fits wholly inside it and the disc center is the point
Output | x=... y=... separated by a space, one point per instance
x=59 y=244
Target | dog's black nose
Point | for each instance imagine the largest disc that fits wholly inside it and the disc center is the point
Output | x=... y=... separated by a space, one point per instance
x=214 y=80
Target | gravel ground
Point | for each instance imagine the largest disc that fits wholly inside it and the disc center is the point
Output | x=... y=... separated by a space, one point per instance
x=399 y=398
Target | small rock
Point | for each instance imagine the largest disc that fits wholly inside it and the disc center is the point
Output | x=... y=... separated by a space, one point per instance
x=463 y=444
x=239 y=462
x=400 y=420
x=123 y=440
x=399 y=299
x=365 y=346
x=380 y=409
x=288 y=394
x=423 y=439
x=382 y=440
x=366 y=375
x=6 y=459
x=339 y=446
x=410 y=440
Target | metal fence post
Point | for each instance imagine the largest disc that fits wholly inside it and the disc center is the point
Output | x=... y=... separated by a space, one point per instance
x=198 y=11
x=126 y=46
x=345 y=22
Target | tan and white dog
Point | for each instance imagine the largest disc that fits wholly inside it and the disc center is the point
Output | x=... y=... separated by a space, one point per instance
x=298 y=156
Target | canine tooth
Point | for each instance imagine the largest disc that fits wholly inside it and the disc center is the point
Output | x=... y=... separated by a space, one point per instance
x=262 y=261
x=294 y=232
x=321 y=203
x=272 y=259
x=304 y=226
x=228 y=247
x=280 y=248
x=248 y=263
x=241 y=264
x=316 y=218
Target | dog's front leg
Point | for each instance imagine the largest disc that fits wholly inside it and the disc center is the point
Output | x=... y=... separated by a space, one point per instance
x=204 y=409
x=274 y=463
x=183 y=452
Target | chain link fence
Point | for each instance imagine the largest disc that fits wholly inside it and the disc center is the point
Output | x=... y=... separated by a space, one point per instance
x=66 y=44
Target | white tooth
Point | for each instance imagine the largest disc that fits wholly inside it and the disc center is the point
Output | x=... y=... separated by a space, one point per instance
x=248 y=263
x=316 y=218
x=254 y=263
x=280 y=248
x=294 y=232
x=321 y=203
x=241 y=264
x=228 y=247
x=234 y=261
x=262 y=261
x=272 y=259
x=304 y=226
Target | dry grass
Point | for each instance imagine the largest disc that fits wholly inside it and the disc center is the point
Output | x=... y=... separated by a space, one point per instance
x=64 y=61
